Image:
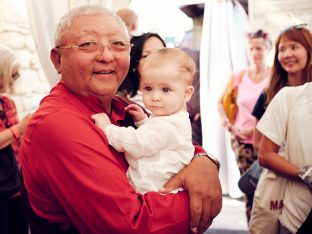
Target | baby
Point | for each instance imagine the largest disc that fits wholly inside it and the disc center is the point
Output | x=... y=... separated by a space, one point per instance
x=162 y=144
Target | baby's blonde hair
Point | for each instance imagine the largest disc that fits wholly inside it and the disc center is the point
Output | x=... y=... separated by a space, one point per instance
x=184 y=62
x=8 y=61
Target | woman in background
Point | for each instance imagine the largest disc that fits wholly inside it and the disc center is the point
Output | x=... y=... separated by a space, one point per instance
x=12 y=218
x=143 y=45
x=280 y=76
x=250 y=82
x=286 y=124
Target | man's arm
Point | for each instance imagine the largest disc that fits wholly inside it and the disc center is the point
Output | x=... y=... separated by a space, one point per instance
x=81 y=180
x=200 y=178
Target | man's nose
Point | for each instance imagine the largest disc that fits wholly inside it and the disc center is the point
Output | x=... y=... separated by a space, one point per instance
x=105 y=53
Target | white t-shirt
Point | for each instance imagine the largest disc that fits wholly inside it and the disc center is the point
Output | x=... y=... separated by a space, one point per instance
x=293 y=126
x=156 y=151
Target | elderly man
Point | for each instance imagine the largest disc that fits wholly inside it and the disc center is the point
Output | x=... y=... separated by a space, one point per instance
x=73 y=181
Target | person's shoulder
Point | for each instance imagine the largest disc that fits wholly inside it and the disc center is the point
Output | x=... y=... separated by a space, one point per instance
x=290 y=90
x=7 y=99
x=238 y=75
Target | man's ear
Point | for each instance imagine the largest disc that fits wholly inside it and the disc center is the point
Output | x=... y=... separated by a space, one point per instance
x=189 y=90
x=55 y=57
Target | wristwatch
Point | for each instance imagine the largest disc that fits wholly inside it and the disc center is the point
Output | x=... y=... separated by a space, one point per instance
x=211 y=157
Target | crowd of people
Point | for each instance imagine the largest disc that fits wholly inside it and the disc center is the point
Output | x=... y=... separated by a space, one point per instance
x=112 y=149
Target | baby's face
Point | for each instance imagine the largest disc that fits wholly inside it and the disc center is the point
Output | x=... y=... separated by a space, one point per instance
x=164 y=90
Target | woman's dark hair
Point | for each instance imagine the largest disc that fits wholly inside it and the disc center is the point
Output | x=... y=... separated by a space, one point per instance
x=278 y=76
x=129 y=87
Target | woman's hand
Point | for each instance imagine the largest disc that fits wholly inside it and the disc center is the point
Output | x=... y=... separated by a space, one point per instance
x=22 y=125
x=200 y=178
x=238 y=134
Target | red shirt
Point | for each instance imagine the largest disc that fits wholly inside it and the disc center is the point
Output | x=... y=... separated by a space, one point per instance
x=74 y=178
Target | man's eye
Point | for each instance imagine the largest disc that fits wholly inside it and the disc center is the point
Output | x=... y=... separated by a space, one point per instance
x=165 y=90
x=118 y=44
x=89 y=46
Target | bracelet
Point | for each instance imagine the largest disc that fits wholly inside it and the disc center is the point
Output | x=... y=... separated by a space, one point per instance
x=14 y=132
x=211 y=157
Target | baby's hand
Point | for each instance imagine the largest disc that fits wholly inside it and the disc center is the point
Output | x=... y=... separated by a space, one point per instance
x=101 y=120
x=136 y=112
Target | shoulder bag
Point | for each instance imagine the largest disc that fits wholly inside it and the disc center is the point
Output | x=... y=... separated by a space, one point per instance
x=229 y=99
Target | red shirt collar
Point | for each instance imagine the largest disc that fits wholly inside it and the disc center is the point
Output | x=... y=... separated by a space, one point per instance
x=92 y=103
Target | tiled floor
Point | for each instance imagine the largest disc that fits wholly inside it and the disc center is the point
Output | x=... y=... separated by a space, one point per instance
x=231 y=220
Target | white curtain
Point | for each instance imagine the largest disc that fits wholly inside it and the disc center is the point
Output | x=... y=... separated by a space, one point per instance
x=222 y=50
x=43 y=17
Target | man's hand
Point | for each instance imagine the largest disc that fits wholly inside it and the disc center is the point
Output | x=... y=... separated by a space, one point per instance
x=136 y=112
x=200 y=179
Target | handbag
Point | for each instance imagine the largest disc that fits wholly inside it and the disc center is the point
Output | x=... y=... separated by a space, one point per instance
x=267 y=203
x=9 y=173
x=249 y=180
x=229 y=98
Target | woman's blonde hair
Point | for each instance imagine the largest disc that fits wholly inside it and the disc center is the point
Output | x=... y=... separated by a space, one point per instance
x=8 y=61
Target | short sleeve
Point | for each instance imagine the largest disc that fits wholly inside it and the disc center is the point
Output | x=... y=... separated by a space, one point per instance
x=259 y=107
x=273 y=122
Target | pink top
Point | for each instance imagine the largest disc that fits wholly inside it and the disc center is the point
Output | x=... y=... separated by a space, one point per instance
x=248 y=93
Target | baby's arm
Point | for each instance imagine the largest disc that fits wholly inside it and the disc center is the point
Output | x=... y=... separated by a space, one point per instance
x=136 y=112
x=101 y=120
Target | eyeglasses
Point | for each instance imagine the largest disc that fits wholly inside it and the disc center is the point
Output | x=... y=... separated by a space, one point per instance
x=93 y=48
x=15 y=76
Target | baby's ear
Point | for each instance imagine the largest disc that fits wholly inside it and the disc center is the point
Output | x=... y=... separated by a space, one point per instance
x=189 y=90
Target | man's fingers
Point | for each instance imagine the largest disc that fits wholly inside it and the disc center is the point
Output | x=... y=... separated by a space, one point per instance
x=206 y=218
x=196 y=211
x=211 y=208
x=172 y=184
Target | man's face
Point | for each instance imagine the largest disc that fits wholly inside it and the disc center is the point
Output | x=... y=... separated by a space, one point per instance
x=93 y=74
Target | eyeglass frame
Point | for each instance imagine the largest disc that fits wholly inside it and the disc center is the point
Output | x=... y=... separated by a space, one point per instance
x=101 y=46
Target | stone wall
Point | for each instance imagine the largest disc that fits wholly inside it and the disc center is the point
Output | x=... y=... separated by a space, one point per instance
x=15 y=32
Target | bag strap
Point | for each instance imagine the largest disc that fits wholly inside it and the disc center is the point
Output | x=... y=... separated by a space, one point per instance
x=240 y=78
x=241 y=75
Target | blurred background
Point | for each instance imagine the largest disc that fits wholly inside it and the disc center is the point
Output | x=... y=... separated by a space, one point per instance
x=216 y=28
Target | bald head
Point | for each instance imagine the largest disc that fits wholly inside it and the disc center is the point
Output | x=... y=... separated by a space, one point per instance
x=129 y=17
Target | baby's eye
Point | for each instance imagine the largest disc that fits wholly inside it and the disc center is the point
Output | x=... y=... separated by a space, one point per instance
x=165 y=90
x=147 y=88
